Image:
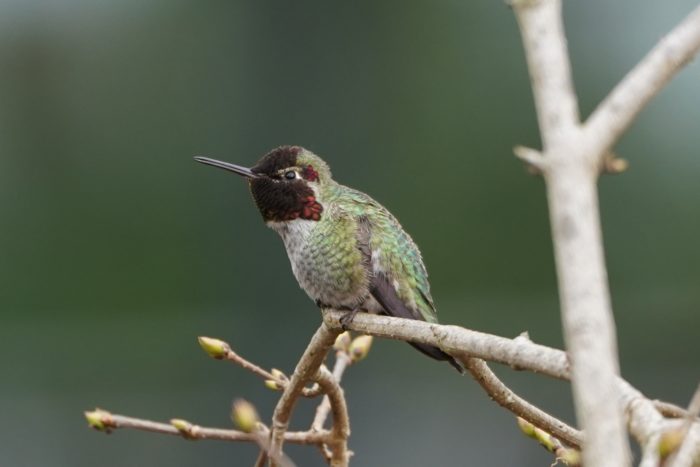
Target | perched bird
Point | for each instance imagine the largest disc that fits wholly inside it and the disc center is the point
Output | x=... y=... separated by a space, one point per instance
x=347 y=251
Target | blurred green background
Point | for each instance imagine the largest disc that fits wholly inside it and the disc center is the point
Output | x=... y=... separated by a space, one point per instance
x=117 y=249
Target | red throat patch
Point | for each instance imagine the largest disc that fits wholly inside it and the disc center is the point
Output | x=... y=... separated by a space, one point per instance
x=311 y=209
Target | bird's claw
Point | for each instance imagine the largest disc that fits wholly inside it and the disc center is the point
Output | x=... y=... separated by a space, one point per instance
x=347 y=319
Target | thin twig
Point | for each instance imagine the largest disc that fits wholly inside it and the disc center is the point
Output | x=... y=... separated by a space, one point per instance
x=112 y=421
x=619 y=109
x=530 y=156
x=232 y=356
x=505 y=397
x=280 y=458
x=305 y=371
x=342 y=360
x=341 y=423
x=568 y=455
x=670 y=410
x=227 y=353
x=262 y=459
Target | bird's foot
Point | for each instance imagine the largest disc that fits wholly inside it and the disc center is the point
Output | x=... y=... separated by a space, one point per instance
x=347 y=319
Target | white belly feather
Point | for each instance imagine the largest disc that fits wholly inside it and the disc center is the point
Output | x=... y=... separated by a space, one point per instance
x=296 y=235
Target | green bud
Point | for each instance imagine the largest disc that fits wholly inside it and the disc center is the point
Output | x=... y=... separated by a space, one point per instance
x=215 y=348
x=342 y=342
x=244 y=415
x=526 y=427
x=181 y=425
x=548 y=441
x=359 y=347
x=617 y=165
x=670 y=441
x=273 y=385
x=99 y=419
x=278 y=375
x=570 y=457
x=185 y=428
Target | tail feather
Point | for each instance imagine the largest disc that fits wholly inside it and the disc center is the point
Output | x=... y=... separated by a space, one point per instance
x=438 y=354
x=387 y=297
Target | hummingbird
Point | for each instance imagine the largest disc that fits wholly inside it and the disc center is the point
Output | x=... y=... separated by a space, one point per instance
x=347 y=251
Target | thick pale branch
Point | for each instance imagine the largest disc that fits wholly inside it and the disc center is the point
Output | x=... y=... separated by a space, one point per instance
x=587 y=319
x=550 y=72
x=645 y=423
x=689 y=452
x=570 y=175
x=643 y=420
x=617 y=111
x=305 y=371
x=505 y=397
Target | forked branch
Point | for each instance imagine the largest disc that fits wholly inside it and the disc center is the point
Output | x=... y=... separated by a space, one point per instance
x=573 y=155
x=305 y=371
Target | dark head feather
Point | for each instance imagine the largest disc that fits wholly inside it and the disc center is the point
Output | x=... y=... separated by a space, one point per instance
x=276 y=160
x=280 y=199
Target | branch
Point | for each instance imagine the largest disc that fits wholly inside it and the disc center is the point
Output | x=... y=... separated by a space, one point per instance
x=506 y=398
x=644 y=420
x=102 y=420
x=244 y=414
x=573 y=157
x=221 y=350
x=670 y=410
x=280 y=458
x=531 y=157
x=305 y=371
x=342 y=360
x=570 y=174
x=689 y=452
x=617 y=111
x=567 y=455
x=275 y=380
x=340 y=432
x=521 y=354
x=542 y=31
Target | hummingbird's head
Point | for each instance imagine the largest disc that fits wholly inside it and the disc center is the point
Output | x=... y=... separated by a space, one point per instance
x=285 y=183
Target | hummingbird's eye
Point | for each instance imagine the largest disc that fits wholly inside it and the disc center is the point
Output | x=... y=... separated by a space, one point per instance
x=290 y=175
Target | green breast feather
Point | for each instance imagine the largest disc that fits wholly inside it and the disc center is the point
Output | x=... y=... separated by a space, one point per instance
x=393 y=251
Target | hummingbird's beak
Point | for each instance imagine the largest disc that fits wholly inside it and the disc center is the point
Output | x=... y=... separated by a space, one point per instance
x=243 y=171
